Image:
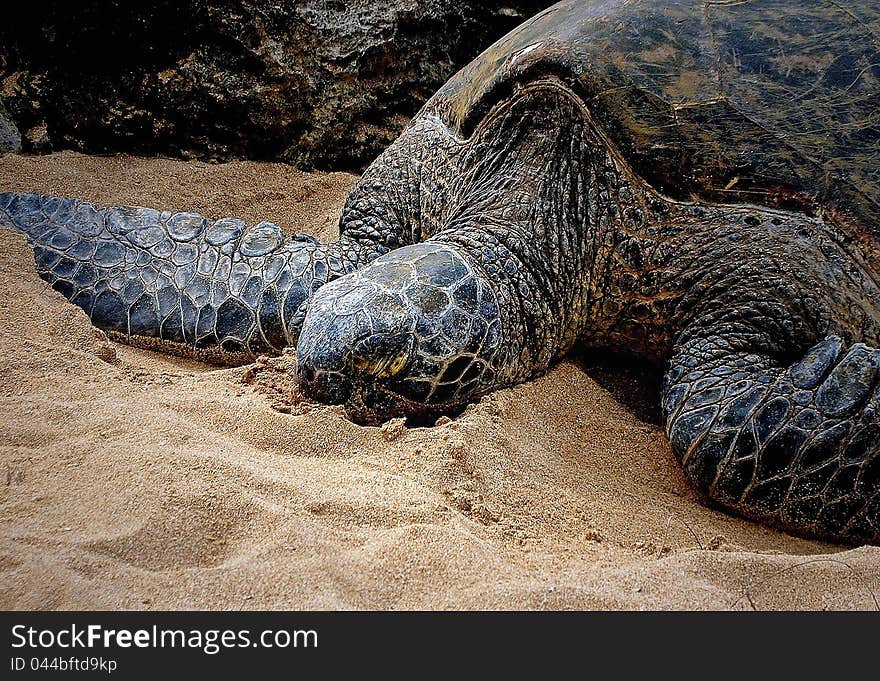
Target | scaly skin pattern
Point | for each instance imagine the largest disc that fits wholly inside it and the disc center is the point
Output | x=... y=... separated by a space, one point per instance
x=220 y=289
x=465 y=265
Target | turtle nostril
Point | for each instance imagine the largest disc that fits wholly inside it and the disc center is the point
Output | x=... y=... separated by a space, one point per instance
x=330 y=387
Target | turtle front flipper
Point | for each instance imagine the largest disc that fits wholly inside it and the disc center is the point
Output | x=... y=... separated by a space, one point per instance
x=223 y=290
x=795 y=445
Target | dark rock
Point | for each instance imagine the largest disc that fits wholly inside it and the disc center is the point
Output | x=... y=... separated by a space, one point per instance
x=10 y=138
x=313 y=82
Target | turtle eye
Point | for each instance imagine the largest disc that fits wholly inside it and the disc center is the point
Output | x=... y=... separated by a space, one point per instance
x=383 y=355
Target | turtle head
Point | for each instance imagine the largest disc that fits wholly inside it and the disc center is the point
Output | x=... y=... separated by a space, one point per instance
x=413 y=333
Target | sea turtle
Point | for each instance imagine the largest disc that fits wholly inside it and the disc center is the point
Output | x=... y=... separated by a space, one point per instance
x=696 y=182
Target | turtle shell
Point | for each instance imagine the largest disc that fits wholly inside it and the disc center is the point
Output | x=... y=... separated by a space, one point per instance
x=767 y=102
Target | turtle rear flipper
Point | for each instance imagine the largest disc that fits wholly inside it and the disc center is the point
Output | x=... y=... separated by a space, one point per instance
x=147 y=275
x=797 y=445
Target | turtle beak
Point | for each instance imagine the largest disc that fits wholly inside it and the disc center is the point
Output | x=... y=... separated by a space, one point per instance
x=330 y=373
x=354 y=338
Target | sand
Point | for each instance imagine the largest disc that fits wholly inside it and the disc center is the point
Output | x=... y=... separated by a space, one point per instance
x=139 y=480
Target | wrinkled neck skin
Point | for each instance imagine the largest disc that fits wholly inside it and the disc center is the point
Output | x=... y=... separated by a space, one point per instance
x=583 y=251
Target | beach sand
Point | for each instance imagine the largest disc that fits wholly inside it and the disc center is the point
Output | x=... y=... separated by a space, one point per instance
x=140 y=480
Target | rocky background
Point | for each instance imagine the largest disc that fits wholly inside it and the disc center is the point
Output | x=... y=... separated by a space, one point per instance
x=317 y=83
